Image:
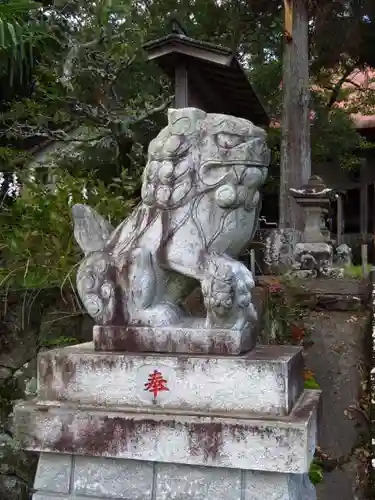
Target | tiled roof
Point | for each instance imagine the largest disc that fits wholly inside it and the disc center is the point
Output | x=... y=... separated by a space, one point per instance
x=357 y=82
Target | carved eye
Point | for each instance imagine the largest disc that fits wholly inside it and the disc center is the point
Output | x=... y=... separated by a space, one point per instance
x=228 y=141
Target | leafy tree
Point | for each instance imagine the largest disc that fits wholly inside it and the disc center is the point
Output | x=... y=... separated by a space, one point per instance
x=23 y=31
x=98 y=75
x=37 y=245
x=94 y=76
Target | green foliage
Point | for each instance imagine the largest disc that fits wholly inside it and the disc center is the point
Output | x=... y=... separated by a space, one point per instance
x=333 y=136
x=58 y=342
x=316 y=473
x=284 y=314
x=36 y=241
x=310 y=382
x=97 y=74
x=23 y=31
x=334 y=139
x=356 y=272
x=266 y=78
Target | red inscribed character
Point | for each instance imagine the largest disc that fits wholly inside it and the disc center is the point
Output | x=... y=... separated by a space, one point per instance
x=156 y=383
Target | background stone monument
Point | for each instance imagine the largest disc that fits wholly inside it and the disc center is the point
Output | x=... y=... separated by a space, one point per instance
x=163 y=405
x=316 y=255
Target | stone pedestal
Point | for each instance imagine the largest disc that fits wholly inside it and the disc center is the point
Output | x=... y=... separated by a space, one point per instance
x=167 y=406
x=177 y=425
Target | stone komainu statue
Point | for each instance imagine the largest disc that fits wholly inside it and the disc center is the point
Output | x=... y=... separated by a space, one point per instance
x=199 y=210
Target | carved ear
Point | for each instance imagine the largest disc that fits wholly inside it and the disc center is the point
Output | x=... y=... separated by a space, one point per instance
x=91 y=230
x=185 y=121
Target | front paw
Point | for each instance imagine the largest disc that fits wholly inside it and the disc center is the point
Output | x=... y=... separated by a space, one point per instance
x=226 y=291
x=217 y=291
x=244 y=285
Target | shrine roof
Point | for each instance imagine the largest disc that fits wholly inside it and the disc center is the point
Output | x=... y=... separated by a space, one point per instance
x=213 y=72
x=179 y=40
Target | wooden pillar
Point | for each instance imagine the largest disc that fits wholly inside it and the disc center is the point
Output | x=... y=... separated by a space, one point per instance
x=181 y=86
x=295 y=160
x=364 y=215
x=364 y=202
x=340 y=218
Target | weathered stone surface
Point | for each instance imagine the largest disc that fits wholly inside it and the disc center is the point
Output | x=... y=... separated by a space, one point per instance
x=343 y=255
x=103 y=478
x=199 y=209
x=338 y=302
x=279 y=249
x=269 y=379
x=314 y=198
x=313 y=257
x=111 y=478
x=332 y=272
x=189 y=339
x=51 y=496
x=322 y=286
x=53 y=473
x=270 y=486
x=56 y=496
x=181 y=482
x=282 y=444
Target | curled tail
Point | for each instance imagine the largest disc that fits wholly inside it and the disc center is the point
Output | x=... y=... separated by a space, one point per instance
x=91 y=230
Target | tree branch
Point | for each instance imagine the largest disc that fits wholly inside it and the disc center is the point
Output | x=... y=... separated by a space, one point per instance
x=336 y=89
x=359 y=87
x=101 y=116
x=152 y=111
x=72 y=56
x=115 y=124
x=28 y=131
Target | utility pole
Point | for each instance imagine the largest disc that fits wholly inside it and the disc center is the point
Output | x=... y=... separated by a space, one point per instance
x=295 y=161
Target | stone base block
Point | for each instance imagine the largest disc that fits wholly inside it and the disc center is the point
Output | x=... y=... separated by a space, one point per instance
x=79 y=477
x=328 y=273
x=192 y=339
x=268 y=379
x=239 y=441
x=316 y=256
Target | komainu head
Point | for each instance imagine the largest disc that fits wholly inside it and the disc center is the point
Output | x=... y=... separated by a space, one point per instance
x=198 y=152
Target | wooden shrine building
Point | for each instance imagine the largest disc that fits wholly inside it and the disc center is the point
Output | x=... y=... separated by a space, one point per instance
x=206 y=76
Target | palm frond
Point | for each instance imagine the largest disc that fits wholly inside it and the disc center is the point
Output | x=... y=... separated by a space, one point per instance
x=14 y=9
x=21 y=31
x=10 y=34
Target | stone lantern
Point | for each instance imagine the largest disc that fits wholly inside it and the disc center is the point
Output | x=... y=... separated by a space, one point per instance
x=314 y=255
x=314 y=198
